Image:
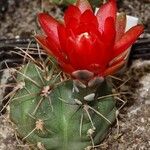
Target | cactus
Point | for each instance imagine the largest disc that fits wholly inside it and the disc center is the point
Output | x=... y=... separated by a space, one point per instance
x=72 y=113
x=54 y=114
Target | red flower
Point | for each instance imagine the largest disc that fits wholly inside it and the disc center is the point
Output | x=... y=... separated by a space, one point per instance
x=84 y=41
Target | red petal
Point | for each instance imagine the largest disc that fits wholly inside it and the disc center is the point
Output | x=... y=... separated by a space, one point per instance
x=120 y=25
x=100 y=54
x=107 y=10
x=50 y=47
x=62 y=36
x=49 y=25
x=85 y=51
x=67 y=68
x=113 y=69
x=73 y=53
x=43 y=42
x=89 y=18
x=71 y=12
x=109 y=34
x=88 y=23
x=55 y=50
x=128 y=39
x=72 y=24
x=83 y=5
x=119 y=58
x=78 y=50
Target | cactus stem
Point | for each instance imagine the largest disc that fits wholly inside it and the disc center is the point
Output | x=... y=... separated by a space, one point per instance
x=82 y=114
x=36 y=118
x=27 y=90
x=39 y=126
x=39 y=74
x=29 y=134
x=37 y=106
x=24 y=75
x=81 y=124
x=31 y=116
x=97 y=112
x=50 y=103
x=66 y=101
x=20 y=97
x=86 y=108
x=42 y=120
x=10 y=96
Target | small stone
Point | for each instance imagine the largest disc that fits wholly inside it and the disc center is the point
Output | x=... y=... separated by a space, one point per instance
x=89 y=97
x=147 y=102
x=142 y=120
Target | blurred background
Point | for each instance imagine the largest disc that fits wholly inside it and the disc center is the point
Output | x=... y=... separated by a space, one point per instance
x=18 y=17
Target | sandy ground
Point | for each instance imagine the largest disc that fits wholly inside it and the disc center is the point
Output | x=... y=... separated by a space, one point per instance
x=134 y=118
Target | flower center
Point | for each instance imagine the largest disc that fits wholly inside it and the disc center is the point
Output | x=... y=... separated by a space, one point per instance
x=85 y=35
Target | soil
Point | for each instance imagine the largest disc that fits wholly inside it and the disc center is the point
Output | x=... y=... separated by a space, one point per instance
x=18 y=19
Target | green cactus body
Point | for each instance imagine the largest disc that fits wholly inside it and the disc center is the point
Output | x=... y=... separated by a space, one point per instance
x=56 y=115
